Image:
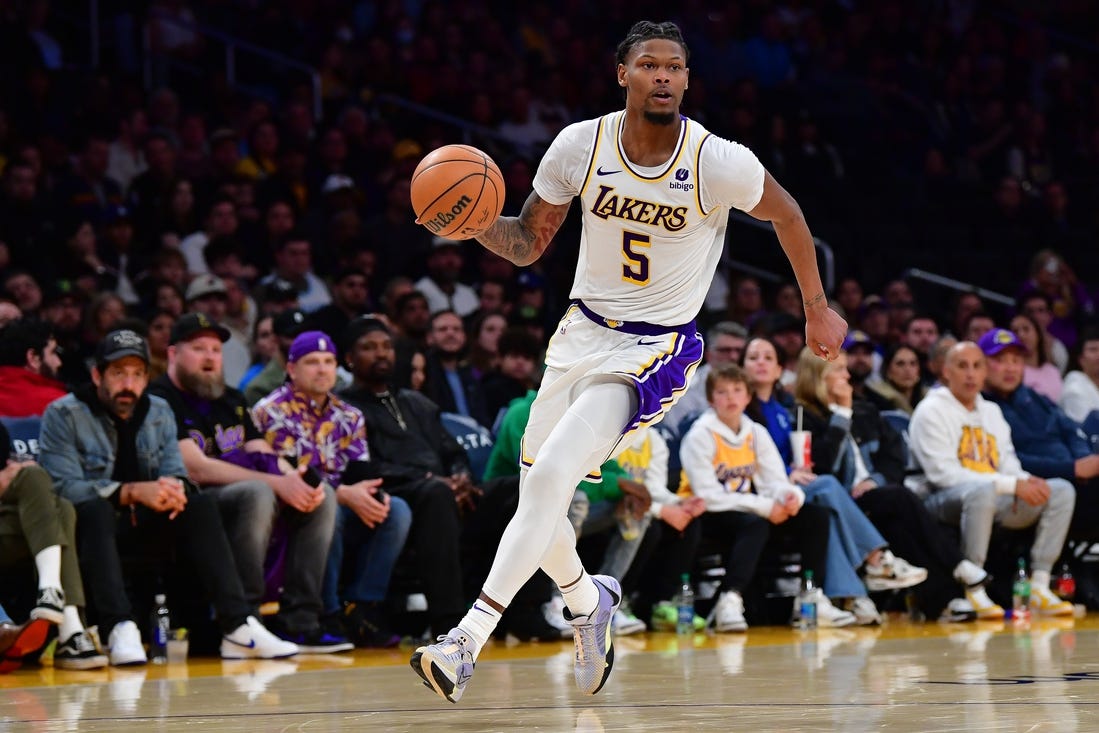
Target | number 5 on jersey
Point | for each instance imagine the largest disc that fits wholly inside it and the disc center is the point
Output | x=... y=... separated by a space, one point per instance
x=636 y=268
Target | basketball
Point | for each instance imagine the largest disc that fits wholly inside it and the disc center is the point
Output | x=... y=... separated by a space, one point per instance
x=457 y=192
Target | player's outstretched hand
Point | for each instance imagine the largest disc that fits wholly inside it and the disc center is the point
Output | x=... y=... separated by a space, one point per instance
x=824 y=332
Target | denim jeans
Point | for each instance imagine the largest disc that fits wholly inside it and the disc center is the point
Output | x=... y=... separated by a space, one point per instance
x=248 y=510
x=851 y=537
x=375 y=553
x=620 y=551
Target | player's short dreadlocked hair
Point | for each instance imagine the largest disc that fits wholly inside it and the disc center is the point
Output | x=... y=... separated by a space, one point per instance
x=646 y=30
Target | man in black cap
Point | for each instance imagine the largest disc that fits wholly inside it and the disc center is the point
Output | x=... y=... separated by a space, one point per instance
x=224 y=453
x=350 y=299
x=286 y=326
x=111 y=450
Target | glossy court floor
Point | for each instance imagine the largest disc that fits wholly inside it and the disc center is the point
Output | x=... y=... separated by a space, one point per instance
x=901 y=676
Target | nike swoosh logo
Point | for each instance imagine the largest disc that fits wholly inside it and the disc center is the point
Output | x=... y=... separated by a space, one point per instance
x=249 y=645
x=650 y=343
x=600 y=172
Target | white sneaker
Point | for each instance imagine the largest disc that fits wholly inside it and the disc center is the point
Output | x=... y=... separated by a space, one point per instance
x=958 y=610
x=983 y=605
x=830 y=616
x=866 y=613
x=554 y=611
x=970 y=574
x=252 y=640
x=729 y=612
x=125 y=645
x=624 y=622
x=891 y=573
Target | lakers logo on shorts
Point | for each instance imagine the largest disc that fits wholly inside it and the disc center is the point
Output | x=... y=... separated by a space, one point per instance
x=611 y=323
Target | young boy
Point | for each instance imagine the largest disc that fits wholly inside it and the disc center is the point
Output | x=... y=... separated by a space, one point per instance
x=733 y=465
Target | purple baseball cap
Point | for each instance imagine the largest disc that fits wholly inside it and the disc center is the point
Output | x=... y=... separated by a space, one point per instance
x=310 y=342
x=998 y=339
x=857 y=338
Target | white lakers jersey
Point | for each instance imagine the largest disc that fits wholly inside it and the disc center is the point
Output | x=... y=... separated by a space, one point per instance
x=652 y=237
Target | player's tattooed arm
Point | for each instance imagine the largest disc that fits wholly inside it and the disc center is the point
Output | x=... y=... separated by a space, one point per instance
x=524 y=238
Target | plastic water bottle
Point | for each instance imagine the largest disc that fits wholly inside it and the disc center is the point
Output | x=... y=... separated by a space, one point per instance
x=685 y=607
x=159 y=624
x=1066 y=584
x=1020 y=592
x=807 y=602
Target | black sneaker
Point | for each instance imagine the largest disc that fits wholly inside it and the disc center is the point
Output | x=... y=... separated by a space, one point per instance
x=50 y=605
x=366 y=626
x=317 y=641
x=78 y=652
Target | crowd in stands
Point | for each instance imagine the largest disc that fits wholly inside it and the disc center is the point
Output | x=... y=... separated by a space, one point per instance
x=232 y=341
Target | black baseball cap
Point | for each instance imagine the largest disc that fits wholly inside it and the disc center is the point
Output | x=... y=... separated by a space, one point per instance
x=118 y=345
x=289 y=323
x=190 y=325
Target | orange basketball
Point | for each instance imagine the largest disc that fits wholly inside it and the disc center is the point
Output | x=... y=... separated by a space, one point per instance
x=457 y=192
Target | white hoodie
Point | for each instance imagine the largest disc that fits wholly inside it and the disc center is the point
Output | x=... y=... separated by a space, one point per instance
x=740 y=471
x=955 y=445
x=1080 y=396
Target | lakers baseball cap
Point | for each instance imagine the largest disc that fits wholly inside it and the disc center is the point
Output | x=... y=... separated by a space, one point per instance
x=997 y=340
x=190 y=325
x=118 y=345
x=856 y=339
x=311 y=342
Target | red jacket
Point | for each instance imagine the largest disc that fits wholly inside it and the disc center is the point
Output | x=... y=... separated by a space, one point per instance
x=24 y=393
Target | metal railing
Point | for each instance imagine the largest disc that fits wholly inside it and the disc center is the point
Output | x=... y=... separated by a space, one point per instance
x=232 y=47
x=915 y=273
x=824 y=253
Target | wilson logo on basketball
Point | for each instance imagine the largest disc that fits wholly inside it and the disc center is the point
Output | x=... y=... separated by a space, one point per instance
x=442 y=218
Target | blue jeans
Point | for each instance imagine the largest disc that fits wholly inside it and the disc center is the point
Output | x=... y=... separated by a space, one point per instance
x=376 y=552
x=851 y=537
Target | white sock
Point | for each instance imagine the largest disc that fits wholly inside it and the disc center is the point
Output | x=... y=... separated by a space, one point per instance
x=1039 y=579
x=479 y=623
x=70 y=625
x=581 y=597
x=48 y=562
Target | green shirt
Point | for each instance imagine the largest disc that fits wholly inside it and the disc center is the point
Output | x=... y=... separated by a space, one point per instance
x=504 y=459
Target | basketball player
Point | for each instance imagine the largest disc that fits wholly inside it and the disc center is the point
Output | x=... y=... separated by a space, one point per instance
x=655 y=188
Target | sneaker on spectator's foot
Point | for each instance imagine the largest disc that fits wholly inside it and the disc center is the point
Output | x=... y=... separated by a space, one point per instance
x=970 y=574
x=891 y=573
x=625 y=622
x=316 y=641
x=666 y=616
x=554 y=611
x=527 y=623
x=50 y=605
x=447 y=665
x=729 y=612
x=1044 y=603
x=866 y=613
x=19 y=640
x=124 y=645
x=982 y=604
x=252 y=640
x=366 y=627
x=831 y=617
x=958 y=610
x=592 y=635
x=78 y=652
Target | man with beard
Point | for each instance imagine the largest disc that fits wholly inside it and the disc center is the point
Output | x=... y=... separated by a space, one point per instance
x=111 y=450
x=861 y=358
x=420 y=462
x=655 y=189
x=28 y=368
x=450 y=382
x=328 y=434
x=441 y=286
x=225 y=454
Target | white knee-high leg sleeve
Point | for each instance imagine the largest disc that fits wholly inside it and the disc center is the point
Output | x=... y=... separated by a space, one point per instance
x=540 y=534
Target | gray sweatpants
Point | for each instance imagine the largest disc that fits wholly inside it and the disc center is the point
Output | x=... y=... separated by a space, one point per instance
x=974 y=507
